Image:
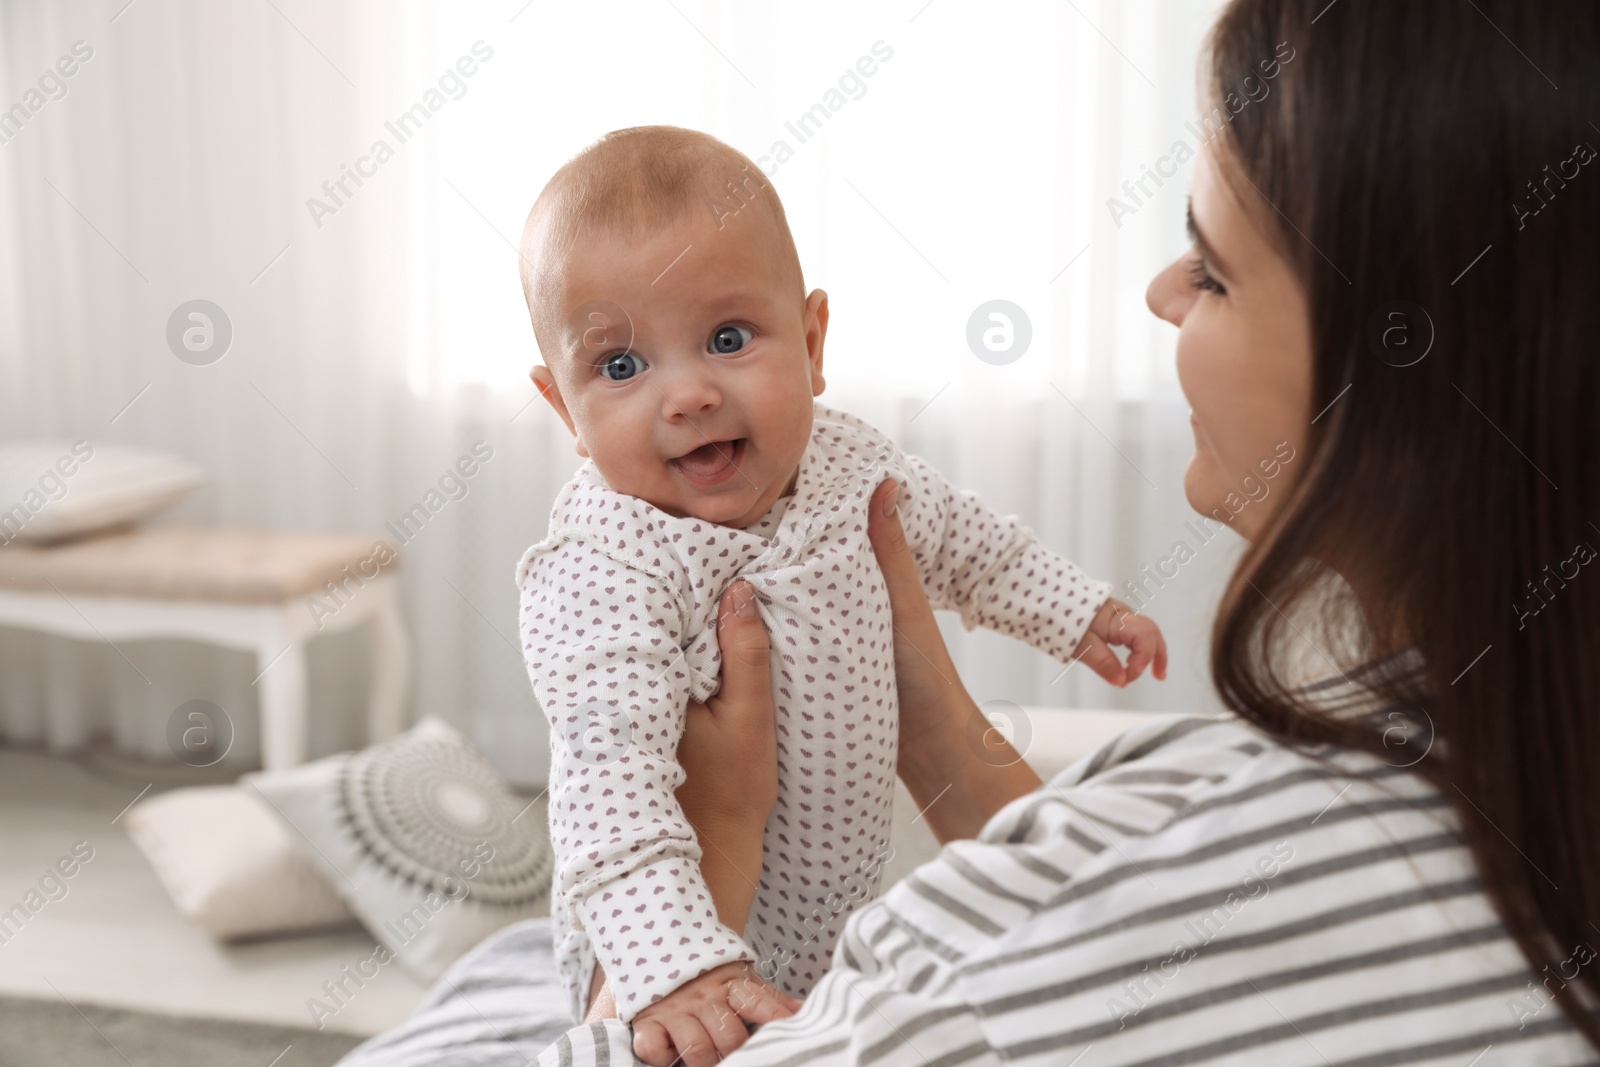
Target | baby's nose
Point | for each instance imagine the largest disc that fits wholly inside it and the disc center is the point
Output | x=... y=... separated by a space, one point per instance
x=688 y=392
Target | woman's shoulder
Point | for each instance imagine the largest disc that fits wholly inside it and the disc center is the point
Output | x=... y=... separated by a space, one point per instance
x=1226 y=745
x=1216 y=778
x=1147 y=898
x=1222 y=771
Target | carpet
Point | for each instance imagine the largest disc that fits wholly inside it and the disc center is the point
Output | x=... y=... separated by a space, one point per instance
x=42 y=1033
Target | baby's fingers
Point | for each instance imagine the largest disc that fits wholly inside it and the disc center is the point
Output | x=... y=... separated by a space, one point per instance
x=694 y=1045
x=758 y=1002
x=652 y=1044
x=1142 y=651
x=726 y=1029
x=1098 y=657
x=1143 y=637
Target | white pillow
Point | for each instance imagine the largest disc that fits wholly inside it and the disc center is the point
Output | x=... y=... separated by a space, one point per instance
x=50 y=490
x=230 y=864
x=422 y=839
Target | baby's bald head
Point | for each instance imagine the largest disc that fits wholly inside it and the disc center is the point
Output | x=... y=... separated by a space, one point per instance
x=631 y=181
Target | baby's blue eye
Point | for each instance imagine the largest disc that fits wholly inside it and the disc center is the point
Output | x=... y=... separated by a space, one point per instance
x=618 y=369
x=730 y=339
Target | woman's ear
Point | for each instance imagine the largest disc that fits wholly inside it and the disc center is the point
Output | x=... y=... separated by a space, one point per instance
x=545 y=382
x=816 y=325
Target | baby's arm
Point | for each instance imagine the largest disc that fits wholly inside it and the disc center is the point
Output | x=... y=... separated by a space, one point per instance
x=729 y=804
x=993 y=571
x=603 y=647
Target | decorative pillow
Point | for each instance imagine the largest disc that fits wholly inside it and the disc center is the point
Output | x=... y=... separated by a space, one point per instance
x=422 y=839
x=230 y=864
x=51 y=490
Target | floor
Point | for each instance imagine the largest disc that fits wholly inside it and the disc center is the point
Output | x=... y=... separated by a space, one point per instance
x=115 y=939
x=49 y=1033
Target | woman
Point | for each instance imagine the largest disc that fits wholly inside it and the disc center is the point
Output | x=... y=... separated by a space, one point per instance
x=1391 y=303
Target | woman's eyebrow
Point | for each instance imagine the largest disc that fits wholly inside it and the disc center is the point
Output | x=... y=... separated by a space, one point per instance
x=1218 y=265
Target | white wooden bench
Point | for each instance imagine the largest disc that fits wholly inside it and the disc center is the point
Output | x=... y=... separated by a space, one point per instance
x=265 y=592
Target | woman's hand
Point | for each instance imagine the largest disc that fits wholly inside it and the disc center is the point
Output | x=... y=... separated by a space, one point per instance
x=729 y=754
x=958 y=768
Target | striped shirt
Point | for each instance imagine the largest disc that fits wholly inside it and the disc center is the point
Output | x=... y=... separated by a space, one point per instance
x=1194 y=892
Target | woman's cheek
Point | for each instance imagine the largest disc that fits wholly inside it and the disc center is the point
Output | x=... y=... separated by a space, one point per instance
x=1215 y=374
x=1202 y=478
x=1204 y=363
x=1198 y=374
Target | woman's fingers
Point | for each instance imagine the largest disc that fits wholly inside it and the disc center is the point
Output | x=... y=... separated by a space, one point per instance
x=746 y=656
x=729 y=756
x=923 y=669
x=889 y=542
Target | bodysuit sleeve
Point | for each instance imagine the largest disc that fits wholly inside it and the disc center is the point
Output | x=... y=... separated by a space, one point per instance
x=603 y=643
x=991 y=568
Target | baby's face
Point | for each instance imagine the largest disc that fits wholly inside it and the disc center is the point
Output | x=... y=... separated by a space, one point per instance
x=685 y=363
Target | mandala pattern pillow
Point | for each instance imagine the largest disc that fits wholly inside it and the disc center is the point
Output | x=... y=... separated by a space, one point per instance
x=422 y=840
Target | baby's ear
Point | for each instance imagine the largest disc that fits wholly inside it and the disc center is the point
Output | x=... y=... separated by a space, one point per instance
x=816 y=328
x=545 y=382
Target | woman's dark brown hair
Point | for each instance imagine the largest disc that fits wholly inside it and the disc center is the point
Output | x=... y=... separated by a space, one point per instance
x=1429 y=168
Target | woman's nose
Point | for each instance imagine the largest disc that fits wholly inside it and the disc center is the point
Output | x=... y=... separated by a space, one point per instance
x=1168 y=296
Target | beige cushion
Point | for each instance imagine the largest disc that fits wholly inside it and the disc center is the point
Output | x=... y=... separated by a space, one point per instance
x=195 y=563
x=51 y=490
x=230 y=864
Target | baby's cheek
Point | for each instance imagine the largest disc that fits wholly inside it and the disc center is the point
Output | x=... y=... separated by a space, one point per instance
x=639 y=474
x=789 y=414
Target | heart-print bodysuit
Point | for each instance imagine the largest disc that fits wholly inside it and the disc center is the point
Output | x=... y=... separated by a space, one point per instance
x=618 y=621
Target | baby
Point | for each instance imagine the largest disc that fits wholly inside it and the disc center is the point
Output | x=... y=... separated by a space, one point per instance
x=681 y=349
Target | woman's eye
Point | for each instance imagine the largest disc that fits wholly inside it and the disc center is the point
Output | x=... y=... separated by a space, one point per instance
x=1200 y=278
x=730 y=339
x=622 y=366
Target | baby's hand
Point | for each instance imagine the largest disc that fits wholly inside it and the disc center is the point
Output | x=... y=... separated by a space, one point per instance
x=703 y=1020
x=1117 y=624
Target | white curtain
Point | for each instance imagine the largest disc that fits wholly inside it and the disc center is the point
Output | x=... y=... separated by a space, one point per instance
x=932 y=156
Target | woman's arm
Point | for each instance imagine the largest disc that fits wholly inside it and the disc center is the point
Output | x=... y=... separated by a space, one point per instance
x=729 y=754
x=957 y=767
x=581 y=655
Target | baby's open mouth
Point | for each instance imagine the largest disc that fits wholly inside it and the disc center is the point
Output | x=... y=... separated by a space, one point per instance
x=712 y=463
